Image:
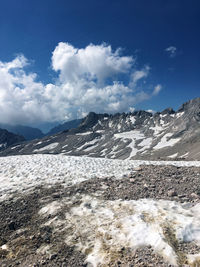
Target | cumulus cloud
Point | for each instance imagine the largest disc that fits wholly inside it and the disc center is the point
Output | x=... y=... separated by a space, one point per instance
x=94 y=78
x=172 y=51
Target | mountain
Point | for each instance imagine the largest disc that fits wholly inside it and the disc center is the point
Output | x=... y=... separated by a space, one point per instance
x=65 y=126
x=8 y=139
x=139 y=135
x=29 y=133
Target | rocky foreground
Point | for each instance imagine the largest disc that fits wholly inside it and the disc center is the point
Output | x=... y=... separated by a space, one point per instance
x=46 y=226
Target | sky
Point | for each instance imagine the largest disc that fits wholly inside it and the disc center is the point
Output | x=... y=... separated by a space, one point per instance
x=61 y=59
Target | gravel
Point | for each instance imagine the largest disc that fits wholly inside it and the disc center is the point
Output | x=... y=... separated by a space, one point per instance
x=24 y=232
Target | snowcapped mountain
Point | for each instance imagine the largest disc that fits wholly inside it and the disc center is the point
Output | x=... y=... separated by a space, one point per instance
x=8 y=139
x=138 y=135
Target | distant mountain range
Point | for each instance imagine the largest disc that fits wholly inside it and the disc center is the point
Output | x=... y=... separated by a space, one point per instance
x=139 y=135
x=65 y=126
x=29 y=133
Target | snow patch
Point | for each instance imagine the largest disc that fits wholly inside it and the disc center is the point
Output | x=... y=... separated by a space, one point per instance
x=184 y=155
x=86 y=133
x=3 y=145
x=157 y=129
x=173 y=156
x=48 y=147
x=145 y=144
x=133 y=135
x=179 y=114
x=165 y=141
x=132 y=119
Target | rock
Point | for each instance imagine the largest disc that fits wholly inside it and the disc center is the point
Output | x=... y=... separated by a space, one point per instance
x=182 y=196
x=131 y=175
x=137 y=168
x=12 y=226
x=172 y=193
x=52 y=257
x=194 y=195
x=132 y=180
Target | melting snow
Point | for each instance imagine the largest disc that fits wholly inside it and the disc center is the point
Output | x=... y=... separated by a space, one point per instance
x=103 y=228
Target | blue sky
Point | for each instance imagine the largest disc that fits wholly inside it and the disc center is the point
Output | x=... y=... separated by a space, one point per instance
x=158 y=39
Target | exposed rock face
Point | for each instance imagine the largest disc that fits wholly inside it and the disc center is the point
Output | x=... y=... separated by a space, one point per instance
x=7 y=139
x=137 y=135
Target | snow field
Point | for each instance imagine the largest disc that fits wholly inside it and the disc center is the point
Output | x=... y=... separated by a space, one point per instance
x=21 y=173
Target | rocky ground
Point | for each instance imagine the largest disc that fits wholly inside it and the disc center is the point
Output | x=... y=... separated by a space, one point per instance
x=23 y=233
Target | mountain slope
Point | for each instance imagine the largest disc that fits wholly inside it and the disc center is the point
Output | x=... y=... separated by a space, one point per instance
x=29 y=133
x=7 y=139
x=137 y=135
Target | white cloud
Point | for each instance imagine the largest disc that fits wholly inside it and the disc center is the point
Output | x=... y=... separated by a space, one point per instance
x=94 y=78
x=139 y=74
x=172 y=51
x=157 y=89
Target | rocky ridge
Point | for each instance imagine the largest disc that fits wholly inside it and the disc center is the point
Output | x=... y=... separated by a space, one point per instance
x=7 y=139
x=137 y=135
